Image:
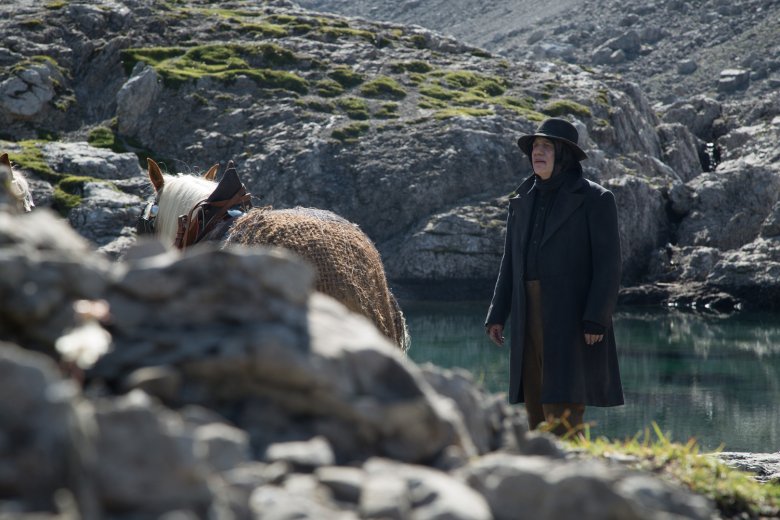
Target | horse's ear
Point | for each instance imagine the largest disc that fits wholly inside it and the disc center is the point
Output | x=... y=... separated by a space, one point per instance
x=212 y=173
x=155 y=174
x=5 y=161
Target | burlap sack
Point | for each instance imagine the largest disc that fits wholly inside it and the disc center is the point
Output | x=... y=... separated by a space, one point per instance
x=349 y=268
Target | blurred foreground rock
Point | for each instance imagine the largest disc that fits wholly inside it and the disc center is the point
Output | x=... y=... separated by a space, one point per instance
x=233 y=391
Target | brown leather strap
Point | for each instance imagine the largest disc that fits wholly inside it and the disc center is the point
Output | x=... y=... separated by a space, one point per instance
x=191 y=230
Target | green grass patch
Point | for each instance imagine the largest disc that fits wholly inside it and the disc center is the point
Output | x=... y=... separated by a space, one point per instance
x=438 y=92
x=335 y=33
x=346 y=76
x=31 y=160
x=316 y=105
x=431 y=103
x=102 y=137
x=350 y=133
x=463 y=112
x=387 y=111
x=562 y=107
x=329 y=88
x=475 y=82
x=354 y=107
x=421 y=67
x=383 y=87
x=64 y=202
x=733 y=491
x=264 y=29
x=224 y=62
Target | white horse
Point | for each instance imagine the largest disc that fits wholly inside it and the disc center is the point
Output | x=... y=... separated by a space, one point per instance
x=189 y=209
x=17 y=185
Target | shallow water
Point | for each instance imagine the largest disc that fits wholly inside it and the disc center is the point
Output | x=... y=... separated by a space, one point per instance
x=714 y=378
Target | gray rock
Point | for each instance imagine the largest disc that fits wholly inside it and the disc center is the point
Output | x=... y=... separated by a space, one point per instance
x=680 y=150
x=687 y=67
x=134 y=100
x=223 y=446
x=310 y=454
x=82 y=159
x=721 y=219
x=166 y=471
x=732 y=80
x=26 y=93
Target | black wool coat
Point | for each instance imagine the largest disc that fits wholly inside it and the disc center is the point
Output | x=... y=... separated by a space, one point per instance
x=579 y=275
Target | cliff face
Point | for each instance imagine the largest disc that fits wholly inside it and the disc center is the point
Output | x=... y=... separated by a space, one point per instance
x=406 y=132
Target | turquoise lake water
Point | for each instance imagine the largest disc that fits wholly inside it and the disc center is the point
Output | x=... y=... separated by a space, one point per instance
x=715 y=378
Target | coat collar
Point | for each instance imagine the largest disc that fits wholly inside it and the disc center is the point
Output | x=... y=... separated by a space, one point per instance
x=570 y=197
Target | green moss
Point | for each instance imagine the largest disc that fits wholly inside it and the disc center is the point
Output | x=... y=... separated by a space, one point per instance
x=419 y=41
x=437 y=92
x=475 y=82
x=351 y=133
x=522 y=107
x=480 y=53
x=355 y=108
x=602 y=98
x=334 y=33
x=32 y=24
x=463 y=111
x=277 y=79
x=266 y=30
x=562 y=107
x=55 y=4
x=329 y=88
x=64 y=202
x=411 y=66
x=383 y=87
x=102 y=137
x=346 y=76
x=431 y=103
x=31 y=160
x=224 y=62
x=387 y=111
x=316 y=105
x=417 y=78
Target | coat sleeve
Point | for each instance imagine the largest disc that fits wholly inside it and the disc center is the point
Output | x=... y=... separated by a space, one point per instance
x=501 y=303
x=605 y=252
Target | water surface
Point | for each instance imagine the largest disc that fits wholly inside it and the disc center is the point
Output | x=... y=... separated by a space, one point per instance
x=712 y=377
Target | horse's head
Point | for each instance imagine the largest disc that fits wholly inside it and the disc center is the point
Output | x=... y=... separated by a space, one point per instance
x=17 y=184
x=178 y=195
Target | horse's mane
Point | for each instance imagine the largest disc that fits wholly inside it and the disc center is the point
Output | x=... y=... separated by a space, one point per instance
x=19 y=188
x=178 y=195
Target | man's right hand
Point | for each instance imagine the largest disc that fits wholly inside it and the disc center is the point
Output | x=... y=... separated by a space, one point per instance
x=495 y=332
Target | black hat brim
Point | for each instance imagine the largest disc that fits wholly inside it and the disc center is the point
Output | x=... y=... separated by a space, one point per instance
x=525 y=143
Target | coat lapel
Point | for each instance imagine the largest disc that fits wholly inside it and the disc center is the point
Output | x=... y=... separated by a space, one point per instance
x=522 y=205
x=566 y=202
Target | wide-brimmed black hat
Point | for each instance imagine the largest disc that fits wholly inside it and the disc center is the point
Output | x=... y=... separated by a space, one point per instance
x=557 y=129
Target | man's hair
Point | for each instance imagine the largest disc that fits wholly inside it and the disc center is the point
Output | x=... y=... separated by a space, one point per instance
x=564 y=157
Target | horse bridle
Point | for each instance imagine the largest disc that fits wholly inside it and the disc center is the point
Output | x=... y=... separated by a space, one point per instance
x=148 y=219
x=193 y=227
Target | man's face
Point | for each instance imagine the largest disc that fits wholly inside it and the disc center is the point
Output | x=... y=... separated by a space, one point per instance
x=543 y=157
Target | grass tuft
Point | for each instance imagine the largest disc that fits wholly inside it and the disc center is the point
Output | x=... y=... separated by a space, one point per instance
x=733 y=491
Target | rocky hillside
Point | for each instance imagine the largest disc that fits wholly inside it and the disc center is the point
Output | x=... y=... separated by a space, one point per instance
x=409 y=133
x=672 y=48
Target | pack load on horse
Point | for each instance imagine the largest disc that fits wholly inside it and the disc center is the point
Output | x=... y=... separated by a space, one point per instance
x=190 y=209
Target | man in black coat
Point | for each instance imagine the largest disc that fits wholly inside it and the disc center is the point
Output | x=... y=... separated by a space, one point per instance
x=558 y=285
